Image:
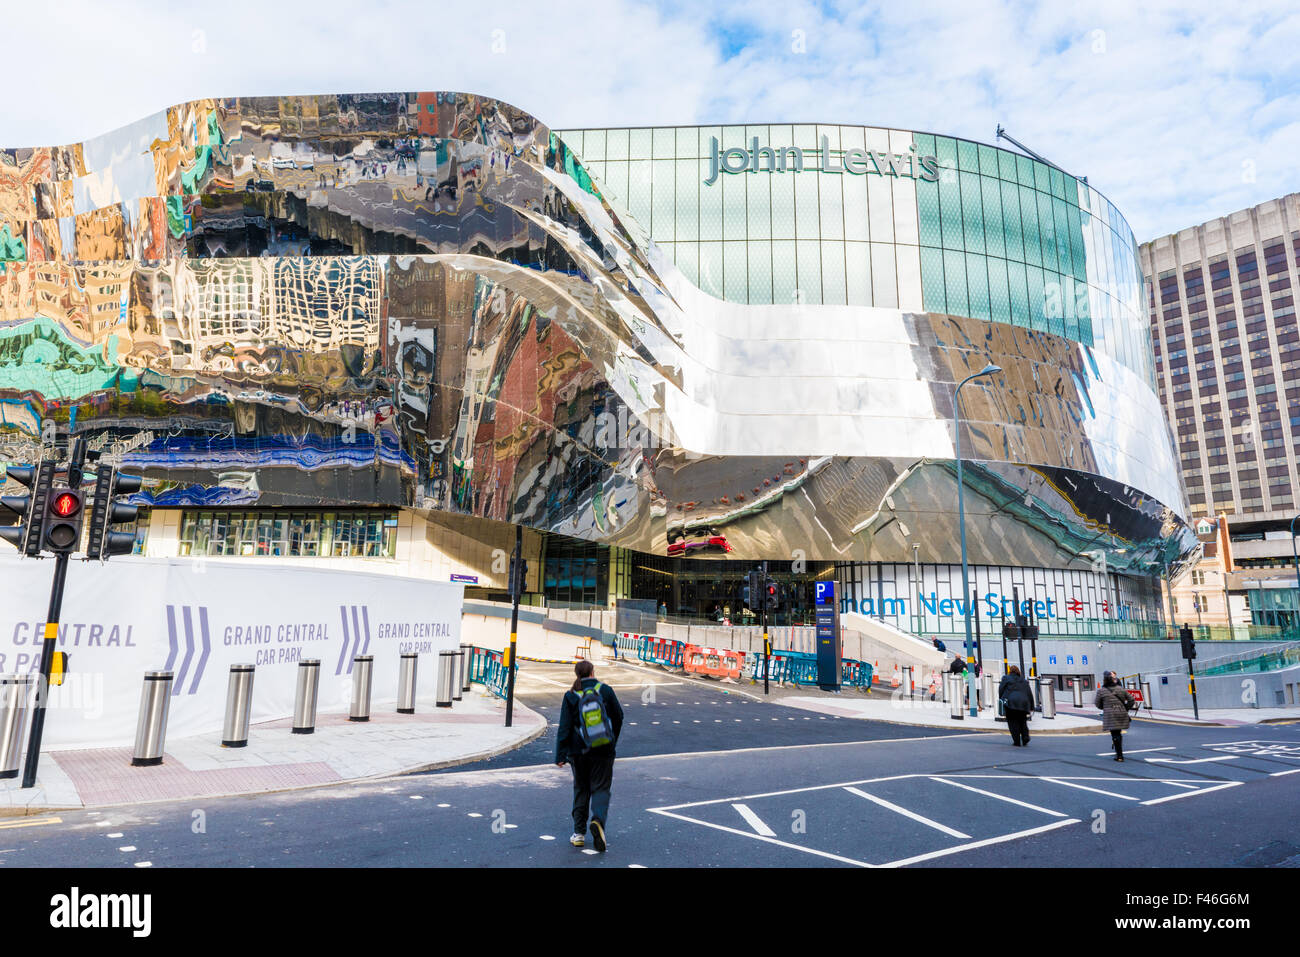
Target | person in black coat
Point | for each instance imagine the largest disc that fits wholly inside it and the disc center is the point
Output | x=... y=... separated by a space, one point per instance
x=1018 y=702
x=593 y=769
x=1115 y=704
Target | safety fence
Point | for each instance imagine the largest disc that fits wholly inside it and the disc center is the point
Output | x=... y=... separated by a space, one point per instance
x=488 y=669
x=800 y=668
x=784 y=667
x=713 y=662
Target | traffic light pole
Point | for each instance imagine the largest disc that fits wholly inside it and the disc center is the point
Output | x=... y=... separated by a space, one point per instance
x=516 y=587
x=48 y=647
x=767 y=644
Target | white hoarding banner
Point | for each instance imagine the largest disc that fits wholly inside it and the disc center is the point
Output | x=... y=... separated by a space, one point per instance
x=196 y=619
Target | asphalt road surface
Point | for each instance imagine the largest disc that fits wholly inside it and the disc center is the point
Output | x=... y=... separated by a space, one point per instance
x=723 y=780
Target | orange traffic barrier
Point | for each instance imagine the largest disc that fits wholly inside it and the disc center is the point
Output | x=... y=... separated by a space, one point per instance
x=714 y=662
x=896 y=678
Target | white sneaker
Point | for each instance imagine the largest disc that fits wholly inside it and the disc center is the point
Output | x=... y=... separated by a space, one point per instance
x=578 y=840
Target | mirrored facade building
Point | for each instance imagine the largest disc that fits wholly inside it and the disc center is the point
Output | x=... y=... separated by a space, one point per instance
x=389 y=327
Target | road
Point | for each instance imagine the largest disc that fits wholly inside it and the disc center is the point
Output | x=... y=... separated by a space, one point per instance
x=707 y=776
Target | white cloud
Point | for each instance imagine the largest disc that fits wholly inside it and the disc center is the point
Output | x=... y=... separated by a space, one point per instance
x=1159 y=104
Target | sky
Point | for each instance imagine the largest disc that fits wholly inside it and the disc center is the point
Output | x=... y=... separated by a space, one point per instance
x=1178 y=112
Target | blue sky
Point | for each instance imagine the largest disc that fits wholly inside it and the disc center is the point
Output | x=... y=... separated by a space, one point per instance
x=1177 y=111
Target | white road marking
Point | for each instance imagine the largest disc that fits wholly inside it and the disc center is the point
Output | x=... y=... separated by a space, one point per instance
x=474 y=814
x=144 y=863
x=1226 y=757
x=1278 y=774
x=547 y=837
x=1187 y=794
x=115 y=834
x=128 y=849
x=588 y=850
x=984 y=843
x=753 y=820
x=952 y=832
x=103 y=824
x=637 y=866
x=416 y=797
x=1000 y=797
x=1102 y=754
x=1084 y=787
x=444 y=805
x=759 y=837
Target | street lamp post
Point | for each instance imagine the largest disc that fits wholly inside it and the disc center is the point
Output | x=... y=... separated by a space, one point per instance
x=971 y=691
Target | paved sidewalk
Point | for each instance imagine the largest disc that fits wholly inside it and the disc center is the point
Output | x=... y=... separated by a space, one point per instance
x=933 y=714
x=275 y=759
x=1222 y=717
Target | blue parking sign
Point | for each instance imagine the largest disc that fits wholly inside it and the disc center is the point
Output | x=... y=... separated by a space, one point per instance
x=1051 y=659
x=1069 y=659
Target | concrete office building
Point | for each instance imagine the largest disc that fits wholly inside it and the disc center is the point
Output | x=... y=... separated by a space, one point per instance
x=1227 y=360
x=385 y=329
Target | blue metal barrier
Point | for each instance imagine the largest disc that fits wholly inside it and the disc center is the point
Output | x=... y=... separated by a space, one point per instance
x=488 y=668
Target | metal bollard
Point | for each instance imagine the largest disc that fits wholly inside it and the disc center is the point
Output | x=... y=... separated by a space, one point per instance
x=406 y=683
x=1047 y=697
x=1077 y=687
x=457 y=669
x=14 y=692
x=239 y=707
x=987 y=690
x=363 y=669
x=954 y=696
x=446 y=677
x=1146 y=695
x=908 y=686
x=468 y=651
x=943 y=686
x=151 y=725
x=304 y=702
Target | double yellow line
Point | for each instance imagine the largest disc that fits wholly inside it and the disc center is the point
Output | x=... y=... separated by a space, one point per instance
x=33 y=822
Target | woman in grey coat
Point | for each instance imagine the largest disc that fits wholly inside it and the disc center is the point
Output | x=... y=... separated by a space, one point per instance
x=1114 y=703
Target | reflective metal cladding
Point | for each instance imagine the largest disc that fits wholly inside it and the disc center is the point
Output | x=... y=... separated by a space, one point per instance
x=428 y=300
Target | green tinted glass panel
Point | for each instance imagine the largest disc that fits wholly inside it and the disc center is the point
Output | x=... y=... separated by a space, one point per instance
x=1029 y=226
x=999 y=297
x=782 y=205
x=688 y=260
x=639 y=192
x=807 y=210
x=988 y=160
x=933 y=291
x=1077 y=249
x=927 y=204
x=616 y=144
x=991 y=202
x=831 y=195
x=1046 y=229
x=734 y=218
x=1037 y=294
x=1042 y=178
x=663 y=188
x=688 y=201
x=1058 y=184
x=665 y=143
x=968 y=156
x=711 y=210
x=1012 y=231
x=1007 y=166
x=639 y=144
x=924 y=144
x=1061 y=220
x=972 y=211
x=954 y=275
x=950 y=211
x=758 y=189
x=946 y=150
x=1024 y=170
x=977 y=282
x=1018 y=288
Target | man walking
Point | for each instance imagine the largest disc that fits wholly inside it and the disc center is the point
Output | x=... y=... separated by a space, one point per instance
x=590 y=722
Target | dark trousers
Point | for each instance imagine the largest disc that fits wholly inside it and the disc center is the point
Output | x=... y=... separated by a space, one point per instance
x=593 y=774
x=1018 y=725
x=1117 y=742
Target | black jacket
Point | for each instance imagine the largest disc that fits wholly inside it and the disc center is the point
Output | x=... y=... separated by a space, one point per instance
x=958 y=666
x=1015 y=691
x=568 y=742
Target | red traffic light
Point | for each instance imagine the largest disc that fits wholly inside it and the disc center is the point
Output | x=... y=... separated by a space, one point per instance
x=66 y=504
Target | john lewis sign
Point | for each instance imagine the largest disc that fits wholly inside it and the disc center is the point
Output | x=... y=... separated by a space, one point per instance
x=792 y=159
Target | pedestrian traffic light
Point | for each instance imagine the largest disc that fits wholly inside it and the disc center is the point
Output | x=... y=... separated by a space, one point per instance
x=104 y=543
x=63 y=518
x=753 y=591
x=1189 y=646
x=772 y=595
x=30 y=509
